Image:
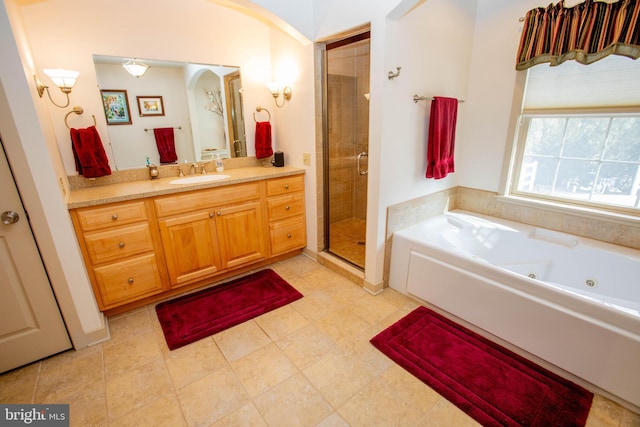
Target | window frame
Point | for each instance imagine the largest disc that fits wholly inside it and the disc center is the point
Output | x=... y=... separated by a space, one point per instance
x=518 y=154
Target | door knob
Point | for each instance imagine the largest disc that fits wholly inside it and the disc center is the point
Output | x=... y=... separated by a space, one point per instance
x=10 y=217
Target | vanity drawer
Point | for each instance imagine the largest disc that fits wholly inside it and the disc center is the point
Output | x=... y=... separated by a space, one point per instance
x=196 y=200
x=285 y=206
x=111 y=215
x=287 y=235
x=128 y=280
x=118 y=243
x=289 y=184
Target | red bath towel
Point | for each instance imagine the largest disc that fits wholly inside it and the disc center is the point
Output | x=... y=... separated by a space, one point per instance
x=442 y=137
x=263 y=140
x=166 y=145
x=88 y=152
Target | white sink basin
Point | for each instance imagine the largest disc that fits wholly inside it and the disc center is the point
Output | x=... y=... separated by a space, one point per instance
x=197 y=179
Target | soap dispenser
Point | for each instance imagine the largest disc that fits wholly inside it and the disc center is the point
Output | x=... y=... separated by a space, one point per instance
x=153 y=169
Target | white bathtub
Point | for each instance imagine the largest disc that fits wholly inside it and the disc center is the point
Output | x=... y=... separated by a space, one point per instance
x=570 y=301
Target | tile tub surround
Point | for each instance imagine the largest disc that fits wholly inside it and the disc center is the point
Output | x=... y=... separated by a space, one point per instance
x=315 y=350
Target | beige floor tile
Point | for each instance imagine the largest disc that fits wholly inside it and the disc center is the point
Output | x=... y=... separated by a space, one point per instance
x=212 y=397
x=445 y=413
x=19 y=385
x=89 y=406
x=339 y=376
x=372 y=309
x=131 y=353
x=294 y=402
x=306 y=346
x=317 y=305
x=68 y=374
x=281 y=322
x=333 y=420
x=139 y=387
x=241 y=340
x=263 y=369
x=342 y=324
x=163 y=412
x=246 y=416
x=127 y=325
x=374 y=405
x=192 y=362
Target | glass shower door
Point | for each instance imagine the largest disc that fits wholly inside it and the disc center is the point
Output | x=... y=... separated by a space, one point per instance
x=346 y=148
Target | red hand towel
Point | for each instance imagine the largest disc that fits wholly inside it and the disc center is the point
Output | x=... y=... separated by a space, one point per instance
x=88 y=152
x=166 y=145
x=442 y=137
x=263 y=140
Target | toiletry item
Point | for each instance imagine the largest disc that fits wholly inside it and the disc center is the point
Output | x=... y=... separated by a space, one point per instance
x=278 y=159
x=148 y=162
x=153 y=171
x=219 y=164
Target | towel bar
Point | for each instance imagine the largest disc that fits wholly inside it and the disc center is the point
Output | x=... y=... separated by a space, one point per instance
x=417 y=98
x=148 y=129
x=259 y=109
x=77 y=110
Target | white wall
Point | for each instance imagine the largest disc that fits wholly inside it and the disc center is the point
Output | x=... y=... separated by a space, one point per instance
x=492 y=81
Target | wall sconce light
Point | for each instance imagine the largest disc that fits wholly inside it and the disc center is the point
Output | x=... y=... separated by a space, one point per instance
x=277 y=89
x=135 y=68
x=64 y=79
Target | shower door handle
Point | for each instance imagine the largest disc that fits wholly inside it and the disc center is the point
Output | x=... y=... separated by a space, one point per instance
x=360 y=156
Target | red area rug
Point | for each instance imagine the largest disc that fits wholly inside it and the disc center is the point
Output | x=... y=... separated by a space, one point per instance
x=491 y=384
x=195 y=316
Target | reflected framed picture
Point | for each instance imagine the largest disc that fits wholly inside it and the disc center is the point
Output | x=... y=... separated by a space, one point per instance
x=116 y=106
x=150 y=106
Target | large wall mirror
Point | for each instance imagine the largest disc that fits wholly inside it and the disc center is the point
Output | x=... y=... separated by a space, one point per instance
x=202 y=103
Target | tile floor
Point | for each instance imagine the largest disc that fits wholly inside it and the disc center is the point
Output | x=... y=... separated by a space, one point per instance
x=306 y=364
x=347 y=240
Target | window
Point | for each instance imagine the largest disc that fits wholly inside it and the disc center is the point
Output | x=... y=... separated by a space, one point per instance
x=579 y=136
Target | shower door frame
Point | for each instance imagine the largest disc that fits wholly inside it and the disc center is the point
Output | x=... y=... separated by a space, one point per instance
x=356 y=35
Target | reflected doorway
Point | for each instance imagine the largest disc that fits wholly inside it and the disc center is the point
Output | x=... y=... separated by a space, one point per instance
x=346 y=68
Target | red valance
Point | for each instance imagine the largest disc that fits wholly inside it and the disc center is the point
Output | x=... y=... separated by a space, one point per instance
x=585 y=32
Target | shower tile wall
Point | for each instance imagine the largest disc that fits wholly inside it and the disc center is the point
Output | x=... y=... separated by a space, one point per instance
x=342 y=150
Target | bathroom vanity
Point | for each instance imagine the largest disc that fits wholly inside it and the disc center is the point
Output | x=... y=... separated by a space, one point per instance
x=145 y=241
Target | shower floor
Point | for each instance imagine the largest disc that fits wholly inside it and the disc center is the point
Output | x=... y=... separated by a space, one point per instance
x=347 y=240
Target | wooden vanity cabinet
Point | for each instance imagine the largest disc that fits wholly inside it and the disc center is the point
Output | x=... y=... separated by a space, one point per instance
x=142 y=250
x=285 y=205
x=207 y=231
x=120 y=250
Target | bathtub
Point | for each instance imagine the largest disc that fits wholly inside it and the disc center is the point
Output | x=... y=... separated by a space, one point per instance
x=570 y=301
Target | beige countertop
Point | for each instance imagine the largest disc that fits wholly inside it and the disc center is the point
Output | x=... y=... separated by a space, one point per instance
x=155 y=187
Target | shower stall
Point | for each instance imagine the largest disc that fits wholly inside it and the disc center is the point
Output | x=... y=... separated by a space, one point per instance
x=346 y=141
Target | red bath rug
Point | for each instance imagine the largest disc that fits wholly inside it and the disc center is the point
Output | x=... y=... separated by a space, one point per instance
x=491 y=384
x=195 y=316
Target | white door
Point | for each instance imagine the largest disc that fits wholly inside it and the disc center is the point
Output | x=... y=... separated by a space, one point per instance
x=31 y=326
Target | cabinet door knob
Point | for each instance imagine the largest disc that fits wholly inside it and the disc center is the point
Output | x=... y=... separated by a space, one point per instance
x=219 y=213
x=114 y=217
x=121 y=245
x=287 y=208
x=286 y=186
x=211 y=215
x=289 y=236
x=130 y=280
